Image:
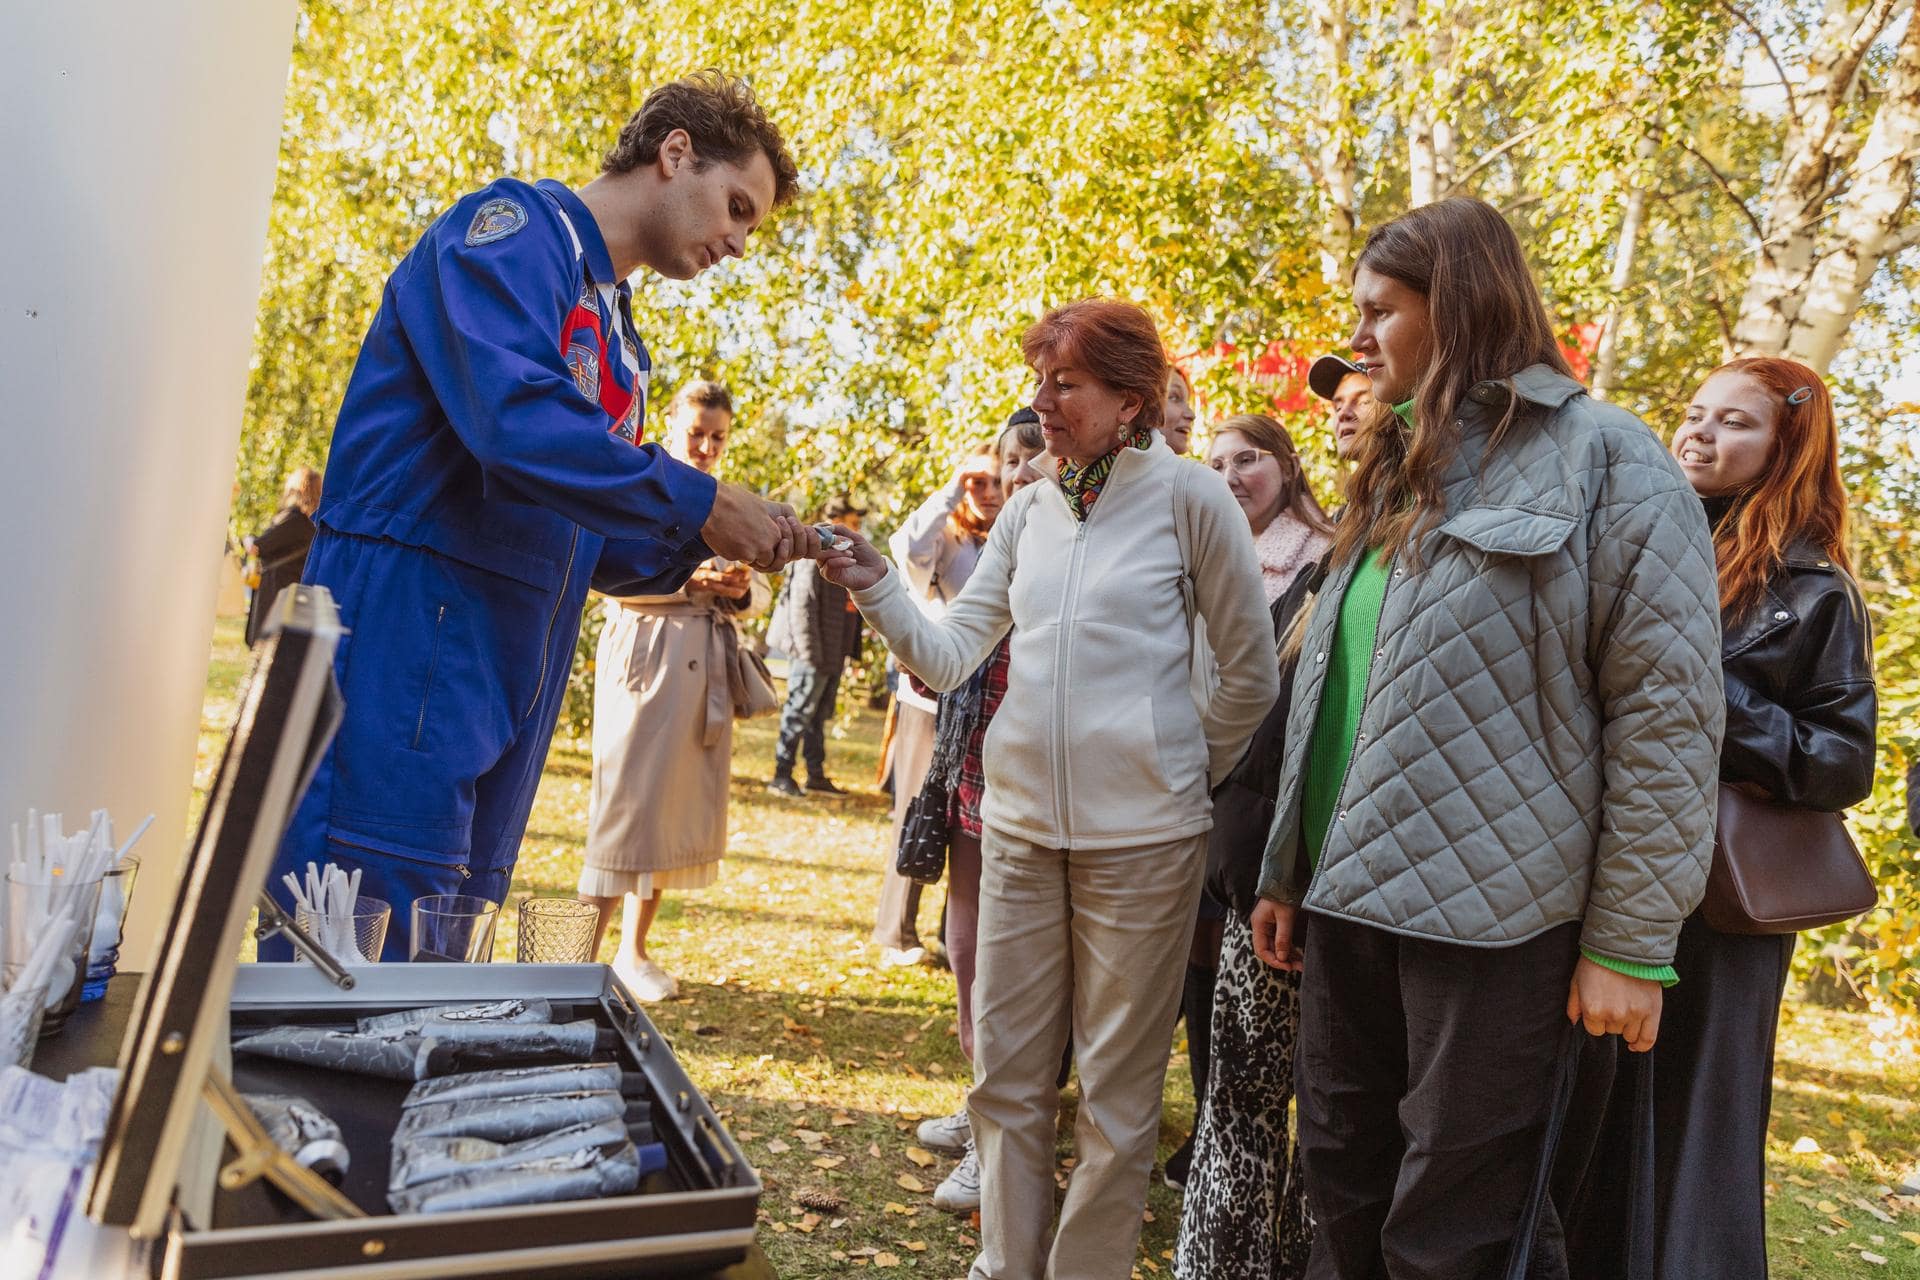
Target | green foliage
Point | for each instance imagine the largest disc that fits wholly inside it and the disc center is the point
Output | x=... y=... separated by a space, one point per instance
x=966 y=165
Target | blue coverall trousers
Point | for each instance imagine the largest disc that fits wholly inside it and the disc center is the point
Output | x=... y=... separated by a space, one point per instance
x=452 y=678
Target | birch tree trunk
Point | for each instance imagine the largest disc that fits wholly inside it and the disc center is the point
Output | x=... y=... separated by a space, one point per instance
x=1338 y=160
x=1815 y=152
x=1423 y=185
x=1866 y=227
x=1606 y=360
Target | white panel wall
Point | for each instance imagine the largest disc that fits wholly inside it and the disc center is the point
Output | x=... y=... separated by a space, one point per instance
x=138 y=143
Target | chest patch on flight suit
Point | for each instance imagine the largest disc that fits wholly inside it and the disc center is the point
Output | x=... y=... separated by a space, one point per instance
x=584 y=362
x=496 y=220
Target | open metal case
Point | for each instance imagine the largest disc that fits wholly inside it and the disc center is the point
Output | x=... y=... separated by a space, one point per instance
x=170 y=1169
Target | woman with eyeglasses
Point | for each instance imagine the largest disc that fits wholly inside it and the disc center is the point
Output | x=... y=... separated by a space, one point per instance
x=936 y=548
x=1246 y=1212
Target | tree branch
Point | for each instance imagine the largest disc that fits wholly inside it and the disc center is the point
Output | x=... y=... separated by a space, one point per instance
x=1720 y=179
x=1460 y=180
x=1793 y=107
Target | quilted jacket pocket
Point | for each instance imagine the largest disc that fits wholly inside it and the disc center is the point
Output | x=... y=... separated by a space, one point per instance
x=1510 y=531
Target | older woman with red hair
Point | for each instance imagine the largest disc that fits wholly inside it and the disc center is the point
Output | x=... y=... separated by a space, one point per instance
x=1098 y=767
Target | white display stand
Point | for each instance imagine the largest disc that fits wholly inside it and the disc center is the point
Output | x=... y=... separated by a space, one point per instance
x=140 y=142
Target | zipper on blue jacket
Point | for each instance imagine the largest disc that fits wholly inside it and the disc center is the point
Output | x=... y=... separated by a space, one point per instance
x=546 y=645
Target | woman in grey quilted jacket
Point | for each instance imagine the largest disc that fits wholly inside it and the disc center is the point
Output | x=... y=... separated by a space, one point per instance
x=1494 y=802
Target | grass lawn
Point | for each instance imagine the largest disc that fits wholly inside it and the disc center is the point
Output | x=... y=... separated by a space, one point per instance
x=821 y=1061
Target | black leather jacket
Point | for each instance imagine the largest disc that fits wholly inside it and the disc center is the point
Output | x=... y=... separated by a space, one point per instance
x=1801 y=706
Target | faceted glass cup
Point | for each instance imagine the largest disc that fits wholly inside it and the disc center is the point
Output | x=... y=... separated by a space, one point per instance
x=557 y=931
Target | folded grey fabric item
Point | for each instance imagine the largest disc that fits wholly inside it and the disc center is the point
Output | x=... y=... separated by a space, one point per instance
x=495 y=1012
x=421 y=1160
x=507 y=1119
x=508 y=1082
x=397 y=1053
x=391 y=1056
x=586 y=1173
x=303 y=1131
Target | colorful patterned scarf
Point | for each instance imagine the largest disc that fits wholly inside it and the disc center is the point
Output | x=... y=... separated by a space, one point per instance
x=1082 y=485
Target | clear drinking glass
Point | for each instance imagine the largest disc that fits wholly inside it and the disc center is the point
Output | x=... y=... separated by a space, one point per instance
x=109 y=925
x=31 y=902
x=371 y=919
x=453 y=927
x=557 y=931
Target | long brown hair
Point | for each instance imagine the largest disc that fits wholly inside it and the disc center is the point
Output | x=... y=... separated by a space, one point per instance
x=1799 y=494
x=1296 y=495
x=1488 y=324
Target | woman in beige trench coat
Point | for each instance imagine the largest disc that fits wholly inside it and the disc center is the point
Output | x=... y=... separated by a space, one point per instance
x=663 y=726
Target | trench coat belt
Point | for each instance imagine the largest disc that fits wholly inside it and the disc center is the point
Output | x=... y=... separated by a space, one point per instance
x=719 y=701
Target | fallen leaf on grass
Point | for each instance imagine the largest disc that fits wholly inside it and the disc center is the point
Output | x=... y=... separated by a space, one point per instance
x=1872 y=1209
x=1805 y=1147
x=886 y=1259
x=893 y=1206
x=1911 y=1237
x=841 y=1120
x=873 y=1149
x=1874 y=1258
x=912 y=1246
x=919 y=1157
x=908 y=1182
x=828 y=1162
x=809 y=1136
x=778 y=1147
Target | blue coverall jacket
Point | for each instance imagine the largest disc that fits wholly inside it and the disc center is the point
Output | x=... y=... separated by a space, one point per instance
x=484 y=474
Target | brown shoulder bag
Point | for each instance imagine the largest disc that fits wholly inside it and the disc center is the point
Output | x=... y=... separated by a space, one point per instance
x=1778 y=869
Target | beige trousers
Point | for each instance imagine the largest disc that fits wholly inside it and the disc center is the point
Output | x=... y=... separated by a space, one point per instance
x=1093 y=941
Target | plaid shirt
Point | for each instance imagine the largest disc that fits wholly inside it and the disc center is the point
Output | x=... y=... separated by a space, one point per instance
x=972 y=787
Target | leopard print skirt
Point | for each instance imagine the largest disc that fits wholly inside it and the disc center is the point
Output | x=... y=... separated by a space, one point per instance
x=1245 y=1216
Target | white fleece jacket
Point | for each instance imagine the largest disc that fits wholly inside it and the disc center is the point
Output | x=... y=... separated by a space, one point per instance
x=1099 y=742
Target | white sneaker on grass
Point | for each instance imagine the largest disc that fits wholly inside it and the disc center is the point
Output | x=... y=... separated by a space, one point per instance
x=952 y=1134
x=960 y=1193
x=649 y=983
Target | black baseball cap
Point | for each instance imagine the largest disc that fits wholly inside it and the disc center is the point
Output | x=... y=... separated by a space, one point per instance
x=1325 y=376
x=1024 y=414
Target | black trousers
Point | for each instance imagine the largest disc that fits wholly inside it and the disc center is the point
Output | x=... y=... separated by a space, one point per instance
x=1712 y=1096
x=1425 y=1084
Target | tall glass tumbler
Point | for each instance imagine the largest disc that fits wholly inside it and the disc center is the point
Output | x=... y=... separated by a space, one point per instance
x=371 y=917
x=32 y=901
x=453 y=927
x=557 y=931
x=109 y=925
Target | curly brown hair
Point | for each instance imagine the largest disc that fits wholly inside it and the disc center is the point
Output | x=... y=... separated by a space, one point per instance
x=722 y=117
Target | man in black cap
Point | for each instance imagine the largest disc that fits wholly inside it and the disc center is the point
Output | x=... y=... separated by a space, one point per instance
x=816 y=625
x=1345 y=383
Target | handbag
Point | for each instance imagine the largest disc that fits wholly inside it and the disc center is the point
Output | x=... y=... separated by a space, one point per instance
x=1781 y=869
x=748 y=679
x=924 y=834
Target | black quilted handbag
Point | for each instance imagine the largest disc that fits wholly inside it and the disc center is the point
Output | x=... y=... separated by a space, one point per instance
x=924 y=834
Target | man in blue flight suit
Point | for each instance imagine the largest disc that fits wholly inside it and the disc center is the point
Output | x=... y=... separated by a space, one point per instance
x=487 y=469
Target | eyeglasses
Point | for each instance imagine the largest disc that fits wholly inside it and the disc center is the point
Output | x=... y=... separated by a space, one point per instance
x=1240 y=460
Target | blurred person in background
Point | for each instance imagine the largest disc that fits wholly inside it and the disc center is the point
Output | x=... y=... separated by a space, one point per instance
x=1346 y=386
x=936 y=547
x=1245 y=1214
x=817 y=627
x=1176 y=428
x=663 y=725
x=281 y=547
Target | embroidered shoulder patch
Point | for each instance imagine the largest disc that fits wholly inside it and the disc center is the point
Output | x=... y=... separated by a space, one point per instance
x=496 y=220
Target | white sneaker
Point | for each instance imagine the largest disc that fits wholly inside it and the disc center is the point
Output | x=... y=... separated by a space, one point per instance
x=952 y=1134
x=960 y=1193
x=902 y=957
x=649 y=983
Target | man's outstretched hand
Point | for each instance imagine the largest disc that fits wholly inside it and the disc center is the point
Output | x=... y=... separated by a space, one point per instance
x=746 y=527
